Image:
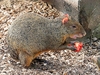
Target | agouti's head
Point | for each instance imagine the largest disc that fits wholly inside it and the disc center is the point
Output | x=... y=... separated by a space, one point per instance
x=73 y=28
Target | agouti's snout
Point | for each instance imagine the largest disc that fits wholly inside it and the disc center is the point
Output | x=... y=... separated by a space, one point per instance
x=84 y=33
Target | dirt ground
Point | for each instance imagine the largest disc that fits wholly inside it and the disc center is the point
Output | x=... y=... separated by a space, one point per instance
x=63 y=62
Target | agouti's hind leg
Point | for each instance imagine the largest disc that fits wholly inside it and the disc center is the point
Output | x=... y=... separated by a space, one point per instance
x=25 y=59
x=13 y=54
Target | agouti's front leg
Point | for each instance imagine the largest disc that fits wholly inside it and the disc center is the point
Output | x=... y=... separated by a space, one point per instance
x=65 y=46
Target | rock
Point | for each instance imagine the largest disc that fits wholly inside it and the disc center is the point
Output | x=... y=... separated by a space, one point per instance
x=89 y=15
x=96 y=32
x=65 y=6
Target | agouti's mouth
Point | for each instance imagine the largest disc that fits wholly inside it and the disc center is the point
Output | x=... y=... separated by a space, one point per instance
x=76 y=36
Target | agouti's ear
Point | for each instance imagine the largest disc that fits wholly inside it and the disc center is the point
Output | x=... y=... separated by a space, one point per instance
x=65 y=19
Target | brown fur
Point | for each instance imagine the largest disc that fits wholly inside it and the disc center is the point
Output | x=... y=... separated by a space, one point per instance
x=31 y=34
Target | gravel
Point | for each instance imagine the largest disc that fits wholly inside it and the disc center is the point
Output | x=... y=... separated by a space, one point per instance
x=63 y=62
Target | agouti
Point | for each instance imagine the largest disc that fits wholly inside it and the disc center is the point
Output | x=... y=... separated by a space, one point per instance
x=31 y=34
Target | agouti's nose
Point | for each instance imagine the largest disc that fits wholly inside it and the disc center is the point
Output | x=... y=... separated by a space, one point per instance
x=84 y=33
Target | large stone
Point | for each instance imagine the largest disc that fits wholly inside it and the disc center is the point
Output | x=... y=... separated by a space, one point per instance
x=89 y=14
x=65 y=7
x=96 y=31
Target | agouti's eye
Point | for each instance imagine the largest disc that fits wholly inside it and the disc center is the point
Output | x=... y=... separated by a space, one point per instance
x=74 y=26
